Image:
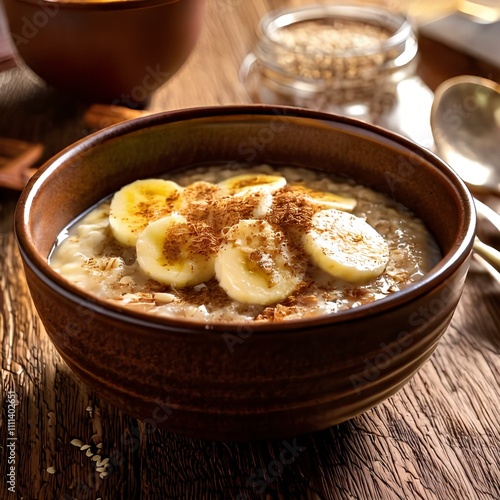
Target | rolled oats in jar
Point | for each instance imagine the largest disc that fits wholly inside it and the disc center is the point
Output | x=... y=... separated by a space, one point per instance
x=344 y=59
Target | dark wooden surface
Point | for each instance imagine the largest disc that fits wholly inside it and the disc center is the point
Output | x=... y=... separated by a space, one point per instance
x=438 y=438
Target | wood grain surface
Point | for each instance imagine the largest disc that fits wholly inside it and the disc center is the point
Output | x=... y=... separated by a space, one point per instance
x=438 y=438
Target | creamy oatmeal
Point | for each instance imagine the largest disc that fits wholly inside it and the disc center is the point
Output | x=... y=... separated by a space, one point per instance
x=259 y=244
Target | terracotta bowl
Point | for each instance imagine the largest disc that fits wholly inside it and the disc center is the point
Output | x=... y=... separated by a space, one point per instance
x=110 y=51
x=234 y=382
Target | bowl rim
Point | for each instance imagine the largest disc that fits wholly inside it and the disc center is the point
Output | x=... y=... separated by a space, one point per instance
x=32 y=258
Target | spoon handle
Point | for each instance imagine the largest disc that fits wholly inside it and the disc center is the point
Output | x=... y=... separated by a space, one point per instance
x=489 y=254
x=487 y=213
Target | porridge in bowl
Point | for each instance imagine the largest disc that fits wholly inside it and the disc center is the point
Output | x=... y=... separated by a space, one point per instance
x=257 y=244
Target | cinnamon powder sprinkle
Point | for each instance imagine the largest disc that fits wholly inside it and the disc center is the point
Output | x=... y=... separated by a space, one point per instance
x=151 y=212
x=209 y=294
x=222 y=212
x=209 y=215
x=197 y=237
x=290 y=211
x=199 y=191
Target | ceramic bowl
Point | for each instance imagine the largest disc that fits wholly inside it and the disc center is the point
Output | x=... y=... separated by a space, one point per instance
x=225 y=381
x=109 y=51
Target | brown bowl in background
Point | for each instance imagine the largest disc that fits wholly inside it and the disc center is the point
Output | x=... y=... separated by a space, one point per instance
x=111 y=51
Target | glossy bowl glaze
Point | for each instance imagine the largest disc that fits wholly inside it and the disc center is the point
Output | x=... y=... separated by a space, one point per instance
x=240 y=382
x=110 y=51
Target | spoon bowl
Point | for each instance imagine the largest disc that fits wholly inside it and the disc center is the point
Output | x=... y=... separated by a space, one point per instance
x=465 y=119
x=465 y=122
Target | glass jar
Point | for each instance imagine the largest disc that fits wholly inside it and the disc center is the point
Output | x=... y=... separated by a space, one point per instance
x=343 y=59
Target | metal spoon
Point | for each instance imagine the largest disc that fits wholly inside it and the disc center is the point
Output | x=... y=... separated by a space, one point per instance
x=465 y=122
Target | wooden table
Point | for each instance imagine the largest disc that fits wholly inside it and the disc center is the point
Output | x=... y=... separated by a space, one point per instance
x=439 y=437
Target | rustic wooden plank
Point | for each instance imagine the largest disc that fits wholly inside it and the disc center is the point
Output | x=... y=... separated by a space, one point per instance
x=438 y=438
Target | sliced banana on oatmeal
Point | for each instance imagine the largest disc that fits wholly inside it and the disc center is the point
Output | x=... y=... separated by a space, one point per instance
x=261 y=200
x=325 y=200
x=175 y=252
x=345 y=246
x=255 y=264
x=247 y=183
x=139 y=203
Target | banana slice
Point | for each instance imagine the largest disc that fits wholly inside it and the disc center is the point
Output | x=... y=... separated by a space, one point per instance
x=324 y=200
x=255 y=265
x=139 y=203
x=175 y=252
x=263 y=201
x=246 y=183
x=345 y=246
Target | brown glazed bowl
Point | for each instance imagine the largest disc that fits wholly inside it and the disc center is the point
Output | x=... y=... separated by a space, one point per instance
x=235 y=381
x=110 y=51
